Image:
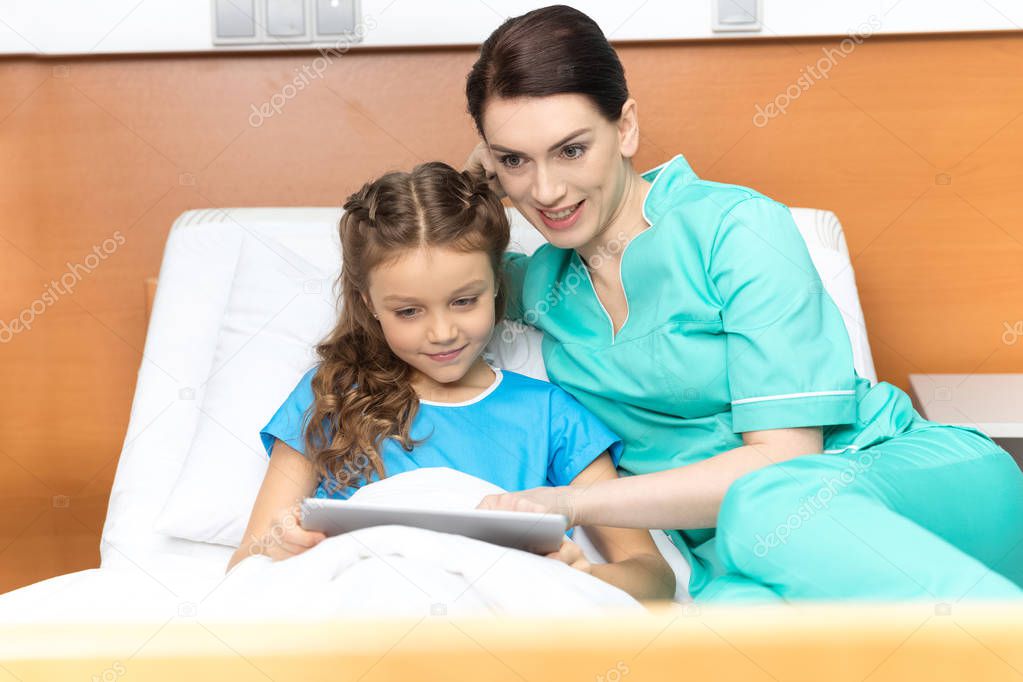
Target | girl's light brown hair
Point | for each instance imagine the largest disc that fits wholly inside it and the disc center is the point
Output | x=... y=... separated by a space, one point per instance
x=362 y=390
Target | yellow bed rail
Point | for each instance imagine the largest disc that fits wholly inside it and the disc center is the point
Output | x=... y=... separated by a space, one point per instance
x=933 y=642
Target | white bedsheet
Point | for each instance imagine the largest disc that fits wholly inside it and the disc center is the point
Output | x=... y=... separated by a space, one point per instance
x=114 y=595
x=375 y=572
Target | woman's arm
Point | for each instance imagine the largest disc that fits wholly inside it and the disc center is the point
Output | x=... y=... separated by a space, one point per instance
x=274 y=528
x=634 y=562
x=690 y=496
x=685 y=497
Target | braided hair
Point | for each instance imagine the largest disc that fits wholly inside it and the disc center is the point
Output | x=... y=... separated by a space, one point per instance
x=363 y=392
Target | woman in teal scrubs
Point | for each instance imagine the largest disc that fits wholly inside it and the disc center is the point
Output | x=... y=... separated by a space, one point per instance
x=688 y=316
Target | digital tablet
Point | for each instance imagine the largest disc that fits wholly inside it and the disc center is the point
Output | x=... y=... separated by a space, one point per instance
x=529 y=531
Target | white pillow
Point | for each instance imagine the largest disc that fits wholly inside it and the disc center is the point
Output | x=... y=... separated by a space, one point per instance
x=516 y=346
x=280 y=306
x=825 y=241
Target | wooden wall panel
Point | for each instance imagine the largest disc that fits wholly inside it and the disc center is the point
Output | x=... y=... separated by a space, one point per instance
x=916 y=143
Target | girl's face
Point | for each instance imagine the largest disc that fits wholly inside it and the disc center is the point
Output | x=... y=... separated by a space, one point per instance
x=436 y=309
x=563 y=165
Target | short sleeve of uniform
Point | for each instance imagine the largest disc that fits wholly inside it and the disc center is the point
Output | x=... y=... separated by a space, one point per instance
x=288 y=423
x=789 y=359
x=513 y=279
x=577 y=437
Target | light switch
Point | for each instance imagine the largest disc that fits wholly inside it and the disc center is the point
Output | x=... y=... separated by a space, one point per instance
x=234 y=19
x=281 y=23
x=737 y=15
x=286 y=19
x=335 y=17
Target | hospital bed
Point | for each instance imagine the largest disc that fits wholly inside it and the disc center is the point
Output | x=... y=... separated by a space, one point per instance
x=242 y=295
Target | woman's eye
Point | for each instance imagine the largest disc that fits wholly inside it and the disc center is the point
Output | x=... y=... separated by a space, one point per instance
x=511 y=161
x=468 y=301
x=573 y=151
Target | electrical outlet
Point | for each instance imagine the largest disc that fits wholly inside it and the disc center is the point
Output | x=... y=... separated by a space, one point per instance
x=235 y=21
x=336 y=18
x=287 y=21
x=737 y=15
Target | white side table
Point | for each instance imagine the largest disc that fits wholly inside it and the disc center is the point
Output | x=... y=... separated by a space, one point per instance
x=992 y=403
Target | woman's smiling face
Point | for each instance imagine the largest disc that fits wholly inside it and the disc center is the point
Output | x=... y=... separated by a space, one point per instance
x=562 y=163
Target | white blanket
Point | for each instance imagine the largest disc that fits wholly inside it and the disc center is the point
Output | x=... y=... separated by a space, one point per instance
x=403 y=571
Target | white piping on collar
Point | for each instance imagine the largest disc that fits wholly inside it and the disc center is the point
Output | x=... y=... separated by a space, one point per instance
x=654 y=184
x=499 y=376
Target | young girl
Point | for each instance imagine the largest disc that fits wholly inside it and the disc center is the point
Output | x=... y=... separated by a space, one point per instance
x=402 y=383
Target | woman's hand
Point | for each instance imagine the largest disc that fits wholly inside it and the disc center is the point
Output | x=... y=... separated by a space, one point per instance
x=481 y=162
x=572 y=554
x=560 y=500
x=286 y=538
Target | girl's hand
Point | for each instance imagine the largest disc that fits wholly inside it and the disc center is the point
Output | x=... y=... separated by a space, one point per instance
x=481 y=162
x=560 y=500
x=286 y=538
x=571 y=554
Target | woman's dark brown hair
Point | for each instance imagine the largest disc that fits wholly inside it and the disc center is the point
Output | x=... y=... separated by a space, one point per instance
x=362 y=390
x=549 y=51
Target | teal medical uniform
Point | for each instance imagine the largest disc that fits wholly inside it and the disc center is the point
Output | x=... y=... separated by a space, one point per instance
x=729 y=330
